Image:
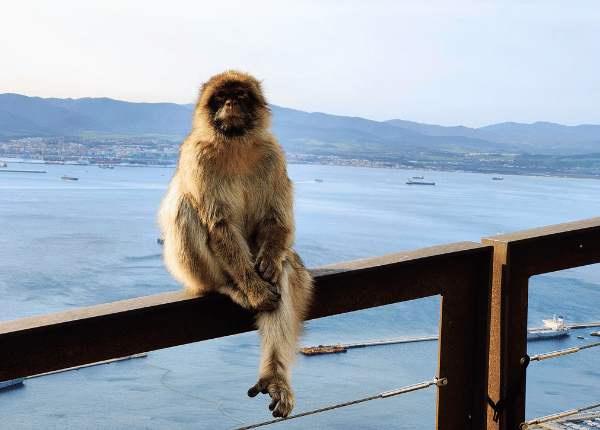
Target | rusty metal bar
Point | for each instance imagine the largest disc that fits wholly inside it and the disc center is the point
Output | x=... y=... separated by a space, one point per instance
x=517 y=257
x=460 y=273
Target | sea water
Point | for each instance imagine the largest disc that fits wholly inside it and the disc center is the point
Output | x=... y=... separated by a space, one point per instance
x=68 y=244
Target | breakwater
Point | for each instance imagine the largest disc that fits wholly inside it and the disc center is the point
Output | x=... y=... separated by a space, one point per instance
x=22 y=171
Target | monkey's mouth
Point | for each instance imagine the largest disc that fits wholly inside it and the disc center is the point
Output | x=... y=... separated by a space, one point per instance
x=231 y=125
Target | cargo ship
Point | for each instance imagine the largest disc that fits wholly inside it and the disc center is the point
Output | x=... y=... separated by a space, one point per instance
x=69 y=178
x=553 y=327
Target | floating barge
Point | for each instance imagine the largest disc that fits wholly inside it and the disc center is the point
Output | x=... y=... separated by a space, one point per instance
x=318 y=350
x=332 y=349
x=12 y=383
x=411 y=182
x=69 y=178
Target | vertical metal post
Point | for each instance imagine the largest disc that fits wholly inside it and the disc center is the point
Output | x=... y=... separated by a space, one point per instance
x=508 y=340
x=464 y=344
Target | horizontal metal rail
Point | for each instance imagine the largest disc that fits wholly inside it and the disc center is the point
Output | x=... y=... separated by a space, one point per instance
x=459 y=272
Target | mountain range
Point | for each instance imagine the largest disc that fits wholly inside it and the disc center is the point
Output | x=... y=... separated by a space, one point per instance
x=298 y=131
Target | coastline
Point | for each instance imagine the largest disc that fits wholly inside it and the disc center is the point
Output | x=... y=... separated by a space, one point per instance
x=346 y=162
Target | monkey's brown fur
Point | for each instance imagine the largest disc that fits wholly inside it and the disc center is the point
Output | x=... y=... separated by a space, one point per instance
x=228 y=223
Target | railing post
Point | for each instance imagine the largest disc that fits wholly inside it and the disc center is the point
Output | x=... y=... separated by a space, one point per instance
x=517 y=257
x=464 y=344
x=508 y=341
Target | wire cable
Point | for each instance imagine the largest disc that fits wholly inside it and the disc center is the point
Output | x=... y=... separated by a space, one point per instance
x=561 y=352
x=438 y=382
x=553 y=417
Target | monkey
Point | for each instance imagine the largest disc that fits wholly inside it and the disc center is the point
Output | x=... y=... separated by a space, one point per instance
x=227 y=221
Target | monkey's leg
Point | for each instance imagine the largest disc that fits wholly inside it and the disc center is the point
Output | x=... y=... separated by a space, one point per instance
x=231 y=250
x=279 y=331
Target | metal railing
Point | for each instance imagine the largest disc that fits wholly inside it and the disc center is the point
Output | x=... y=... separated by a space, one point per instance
x=460 y=273
x=517 y=257
x=483 y=317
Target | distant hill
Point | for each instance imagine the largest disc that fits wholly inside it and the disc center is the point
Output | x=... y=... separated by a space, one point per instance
x=132 y=118
x=536 y=137
x=550 y=136
x=298 y=131
x=22 y=116
x=323 y=134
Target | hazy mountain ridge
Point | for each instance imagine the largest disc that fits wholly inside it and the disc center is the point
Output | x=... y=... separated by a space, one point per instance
x=301 y=132
x=536 y=137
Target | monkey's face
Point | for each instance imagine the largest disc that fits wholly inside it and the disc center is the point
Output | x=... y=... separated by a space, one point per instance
x=233 y=109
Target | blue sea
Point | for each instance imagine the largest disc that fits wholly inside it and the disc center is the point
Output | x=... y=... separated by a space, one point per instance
x=68 y=244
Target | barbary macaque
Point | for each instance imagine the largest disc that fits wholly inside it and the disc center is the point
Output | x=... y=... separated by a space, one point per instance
x=227 y=223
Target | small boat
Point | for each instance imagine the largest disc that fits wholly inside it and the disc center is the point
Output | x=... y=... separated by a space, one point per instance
x=498 y=178
x=411 y=182
x=580 y=337
x=2 y=163
x=11 y=383
x=318 y=180
x=318 y=350
x=553 y=327
x=70 y=178
x=419 y=177
x=595 y=334
x=160 y=240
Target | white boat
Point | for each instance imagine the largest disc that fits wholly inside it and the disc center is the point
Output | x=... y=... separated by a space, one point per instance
x=553 y=327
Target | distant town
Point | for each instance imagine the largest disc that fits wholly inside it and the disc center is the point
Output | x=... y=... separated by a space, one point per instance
x=106 y=152
x=91 y=151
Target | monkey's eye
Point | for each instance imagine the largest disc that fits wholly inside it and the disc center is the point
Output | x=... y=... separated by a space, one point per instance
x=221 y=95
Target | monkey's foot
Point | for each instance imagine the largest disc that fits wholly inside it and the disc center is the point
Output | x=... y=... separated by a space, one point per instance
x=282 y=395
x=269 y=266
x=265 y=297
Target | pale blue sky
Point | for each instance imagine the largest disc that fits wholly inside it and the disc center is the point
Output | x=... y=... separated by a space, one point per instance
x=461 y=62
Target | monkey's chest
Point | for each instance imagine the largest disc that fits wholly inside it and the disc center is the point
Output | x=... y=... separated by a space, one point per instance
x=243 y=202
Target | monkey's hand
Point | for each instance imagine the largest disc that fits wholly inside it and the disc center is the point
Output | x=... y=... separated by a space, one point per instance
x=269 y=264
x=262 y=295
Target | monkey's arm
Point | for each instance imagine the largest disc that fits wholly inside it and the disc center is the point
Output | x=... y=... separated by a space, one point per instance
x=228 y=244
x=275 y=238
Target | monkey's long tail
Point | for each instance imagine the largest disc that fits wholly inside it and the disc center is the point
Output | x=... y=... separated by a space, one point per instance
x=280 y=329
